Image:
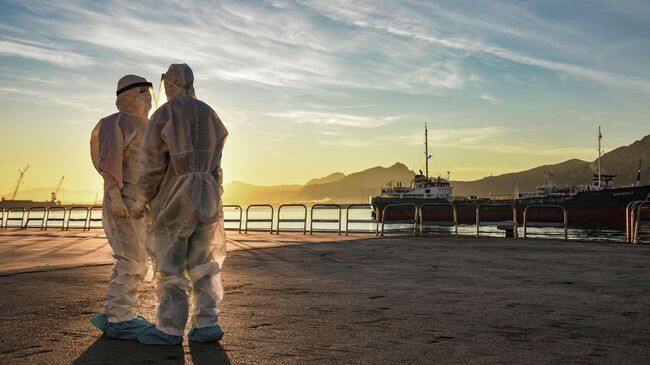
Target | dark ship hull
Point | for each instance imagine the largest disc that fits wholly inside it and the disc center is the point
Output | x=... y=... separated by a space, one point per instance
x=587 y=209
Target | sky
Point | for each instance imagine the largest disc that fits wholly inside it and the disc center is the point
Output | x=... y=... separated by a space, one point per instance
x=307 y=88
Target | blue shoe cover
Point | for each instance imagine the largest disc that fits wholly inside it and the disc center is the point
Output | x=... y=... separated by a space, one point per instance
x=153 y=336
x=100 y=321
x=206 y=334
x=128 y=330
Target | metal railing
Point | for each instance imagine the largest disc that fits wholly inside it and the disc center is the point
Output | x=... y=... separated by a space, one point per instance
x=292 y=220
x=86 y=218
x=11 y=218
x=630 y=219
x=49 y=218
x=512 y=223
x=452 y=223
x=32 y=216
x=414 y=221
x=564 y=224
x=259 y=220
x=359 y=221
x=324 y=220
x=635 y=220
x=92 y=218
x=231 y=220
x=72 y=217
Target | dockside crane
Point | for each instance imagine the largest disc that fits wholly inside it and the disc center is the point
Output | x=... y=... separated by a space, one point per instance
x=20 y=181
x=56 y=192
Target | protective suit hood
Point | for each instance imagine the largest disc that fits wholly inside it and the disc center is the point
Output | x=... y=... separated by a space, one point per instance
x=130 y=101
x=129 y=98
x=179 y=80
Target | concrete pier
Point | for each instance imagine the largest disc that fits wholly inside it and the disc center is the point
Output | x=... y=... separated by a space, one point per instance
x=329 y=299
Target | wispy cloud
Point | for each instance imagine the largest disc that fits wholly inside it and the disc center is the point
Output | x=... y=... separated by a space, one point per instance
x=330 y=133
x=487 y=97
x=346 y=73
x=408 y=24
x=486 y=139
x=50 y=55
x=324 y=118
x=44 y=97
x=235 y=41
x=349 y=142
x=277 y=135
x=447 y=137
x=536 y=149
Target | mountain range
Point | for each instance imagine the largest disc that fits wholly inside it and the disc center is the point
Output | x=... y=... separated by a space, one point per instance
x=360 y=186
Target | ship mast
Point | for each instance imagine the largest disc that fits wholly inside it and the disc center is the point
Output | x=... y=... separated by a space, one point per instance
x=427 y=156
x=600 y=181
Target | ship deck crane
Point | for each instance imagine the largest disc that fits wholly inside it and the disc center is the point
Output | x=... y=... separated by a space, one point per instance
x=20 y=181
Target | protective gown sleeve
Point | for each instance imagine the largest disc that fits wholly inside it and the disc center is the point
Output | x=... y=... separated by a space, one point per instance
x=223 y=133
x=154 y=156
x=111 y=154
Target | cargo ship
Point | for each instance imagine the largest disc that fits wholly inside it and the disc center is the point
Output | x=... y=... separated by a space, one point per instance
x=597 y=205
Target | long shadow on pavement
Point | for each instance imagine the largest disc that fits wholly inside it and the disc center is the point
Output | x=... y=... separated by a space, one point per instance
x=208 y=353
x=107 y=351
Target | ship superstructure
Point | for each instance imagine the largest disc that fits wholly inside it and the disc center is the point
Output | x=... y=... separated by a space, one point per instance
x=422 y=186
x=599 y=204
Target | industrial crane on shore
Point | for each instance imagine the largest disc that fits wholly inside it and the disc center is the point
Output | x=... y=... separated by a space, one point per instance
x=20 y=181
x=56 y=192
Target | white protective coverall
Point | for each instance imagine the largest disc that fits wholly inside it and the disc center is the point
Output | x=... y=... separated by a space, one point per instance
x=115 y=150
x=182 y=183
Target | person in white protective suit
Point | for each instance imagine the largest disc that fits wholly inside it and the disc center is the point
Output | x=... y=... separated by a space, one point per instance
x=182 y=181
x=115 y=149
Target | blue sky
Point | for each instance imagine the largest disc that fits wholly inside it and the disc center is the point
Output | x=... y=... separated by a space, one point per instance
x=307 y=88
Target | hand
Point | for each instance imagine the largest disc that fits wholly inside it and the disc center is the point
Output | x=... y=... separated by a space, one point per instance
x=118 y=208
x=137 y=210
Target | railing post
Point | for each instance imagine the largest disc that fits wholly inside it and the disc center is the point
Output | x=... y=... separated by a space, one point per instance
x=450 y=205
x=74 y=219
x=565 y=220
x=92 y=218
x=348 y=220
x=324 y=207
x=233 y=220
x=630 y=219
x=636 y=218
x=303 y=221
x=30 y=218
x=414 y=221
x=20 y=219
x=513 y=220
x=49 y=219
x=259 y=220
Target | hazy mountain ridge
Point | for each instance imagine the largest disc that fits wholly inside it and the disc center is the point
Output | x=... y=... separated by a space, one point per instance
x=358 y=187
x=238 y=192
x=622 y=161
x=327 y=179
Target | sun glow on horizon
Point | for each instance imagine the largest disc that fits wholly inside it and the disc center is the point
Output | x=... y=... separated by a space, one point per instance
x=310 y=88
